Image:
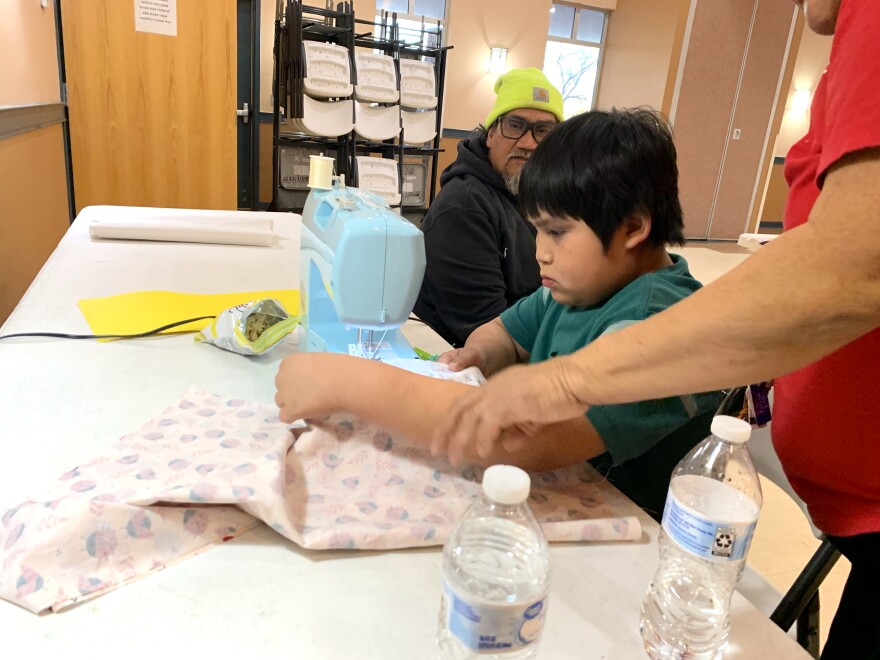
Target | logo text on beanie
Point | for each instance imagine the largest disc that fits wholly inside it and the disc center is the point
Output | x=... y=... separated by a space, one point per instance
x=540 y=94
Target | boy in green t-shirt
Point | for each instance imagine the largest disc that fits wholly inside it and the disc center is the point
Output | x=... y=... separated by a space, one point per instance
x=602 y=193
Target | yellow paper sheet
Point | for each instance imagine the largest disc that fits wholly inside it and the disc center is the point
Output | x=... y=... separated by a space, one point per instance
x=140 y=311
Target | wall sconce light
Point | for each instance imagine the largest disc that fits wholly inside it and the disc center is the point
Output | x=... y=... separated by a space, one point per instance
x=800 y=102
x=497 y=61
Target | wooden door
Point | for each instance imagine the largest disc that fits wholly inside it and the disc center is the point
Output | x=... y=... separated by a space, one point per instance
x=152 y=117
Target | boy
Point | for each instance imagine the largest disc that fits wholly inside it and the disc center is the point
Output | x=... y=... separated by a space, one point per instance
x=602 y=192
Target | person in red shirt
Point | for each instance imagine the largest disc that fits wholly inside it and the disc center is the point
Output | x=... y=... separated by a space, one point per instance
x=804 y=309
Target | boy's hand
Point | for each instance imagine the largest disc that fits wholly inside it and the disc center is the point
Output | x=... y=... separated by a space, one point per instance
x=462 y=358
x=306 y=384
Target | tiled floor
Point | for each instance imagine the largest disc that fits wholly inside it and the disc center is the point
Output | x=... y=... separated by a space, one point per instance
x=783 y=540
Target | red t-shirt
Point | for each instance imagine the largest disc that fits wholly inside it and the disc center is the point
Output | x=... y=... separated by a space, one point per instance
x=826 y=417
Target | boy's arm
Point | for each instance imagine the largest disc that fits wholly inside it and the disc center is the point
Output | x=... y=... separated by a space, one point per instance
x=490 y=348
x=311 y=385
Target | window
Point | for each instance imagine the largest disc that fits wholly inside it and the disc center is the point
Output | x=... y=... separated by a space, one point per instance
x=575 y=40
x=417 y=19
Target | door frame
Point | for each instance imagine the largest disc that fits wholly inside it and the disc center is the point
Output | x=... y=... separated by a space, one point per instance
x=65 y=125
x=248 y=58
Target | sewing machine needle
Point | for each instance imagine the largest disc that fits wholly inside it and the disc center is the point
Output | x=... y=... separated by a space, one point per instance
x=378 y=344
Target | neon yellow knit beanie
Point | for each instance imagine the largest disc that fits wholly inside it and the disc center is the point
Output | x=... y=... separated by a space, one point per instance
x=525 y=88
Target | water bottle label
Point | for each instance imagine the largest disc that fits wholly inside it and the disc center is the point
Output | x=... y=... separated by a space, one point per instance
x=707 y=539
x=490 y=628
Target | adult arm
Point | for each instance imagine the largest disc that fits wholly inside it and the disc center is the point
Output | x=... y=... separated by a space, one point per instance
x=799 y=298
x=311 y=385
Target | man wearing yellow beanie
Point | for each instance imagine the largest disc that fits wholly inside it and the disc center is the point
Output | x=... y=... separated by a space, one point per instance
x=480 y=251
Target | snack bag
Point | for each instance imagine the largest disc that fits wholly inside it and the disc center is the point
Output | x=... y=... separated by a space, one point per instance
x=251 y=328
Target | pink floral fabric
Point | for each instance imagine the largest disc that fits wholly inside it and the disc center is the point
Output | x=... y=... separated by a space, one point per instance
x=210 y=468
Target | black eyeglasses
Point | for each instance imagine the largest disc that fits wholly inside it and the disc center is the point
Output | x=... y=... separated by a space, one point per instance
x=513 y=127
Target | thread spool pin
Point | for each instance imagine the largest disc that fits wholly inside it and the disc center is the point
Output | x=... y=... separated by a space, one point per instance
x=321 y=172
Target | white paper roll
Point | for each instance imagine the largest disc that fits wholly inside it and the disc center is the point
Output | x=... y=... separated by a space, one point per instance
x=226 y=231
x=321 y=172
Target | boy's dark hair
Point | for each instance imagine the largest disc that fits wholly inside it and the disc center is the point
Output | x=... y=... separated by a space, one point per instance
x=603 y=166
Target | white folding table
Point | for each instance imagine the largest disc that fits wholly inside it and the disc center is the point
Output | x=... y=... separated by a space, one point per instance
x=258 y=596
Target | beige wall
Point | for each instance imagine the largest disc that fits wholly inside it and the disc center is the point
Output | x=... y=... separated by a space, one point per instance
x=641 y=41
x=639 y=66
x=812 y=58
x=33 y=186
x=28 y=56
x=364 y=10
x=267 y=43
x=33 y=208
x=474 y=28
x=811 y=61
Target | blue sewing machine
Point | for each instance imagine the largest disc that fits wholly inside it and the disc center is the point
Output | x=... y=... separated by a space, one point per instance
x=361 y=270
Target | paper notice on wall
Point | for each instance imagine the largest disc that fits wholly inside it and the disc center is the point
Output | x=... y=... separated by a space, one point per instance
x=156 y=16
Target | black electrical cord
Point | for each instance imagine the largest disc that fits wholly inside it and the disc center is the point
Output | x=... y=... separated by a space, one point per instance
x=148 y=333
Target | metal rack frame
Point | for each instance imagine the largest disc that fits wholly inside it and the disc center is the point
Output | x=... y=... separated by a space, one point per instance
x=296 y=23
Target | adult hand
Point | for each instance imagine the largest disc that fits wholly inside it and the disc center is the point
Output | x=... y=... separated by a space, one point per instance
x=305 y=387
x=462 y=358
x=520 y=398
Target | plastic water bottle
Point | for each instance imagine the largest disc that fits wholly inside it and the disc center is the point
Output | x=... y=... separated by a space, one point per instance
x=496 y=575
x=710 y=515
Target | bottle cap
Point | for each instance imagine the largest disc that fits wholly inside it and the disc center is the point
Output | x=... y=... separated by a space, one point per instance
x=506 y=484
x=731 y=429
